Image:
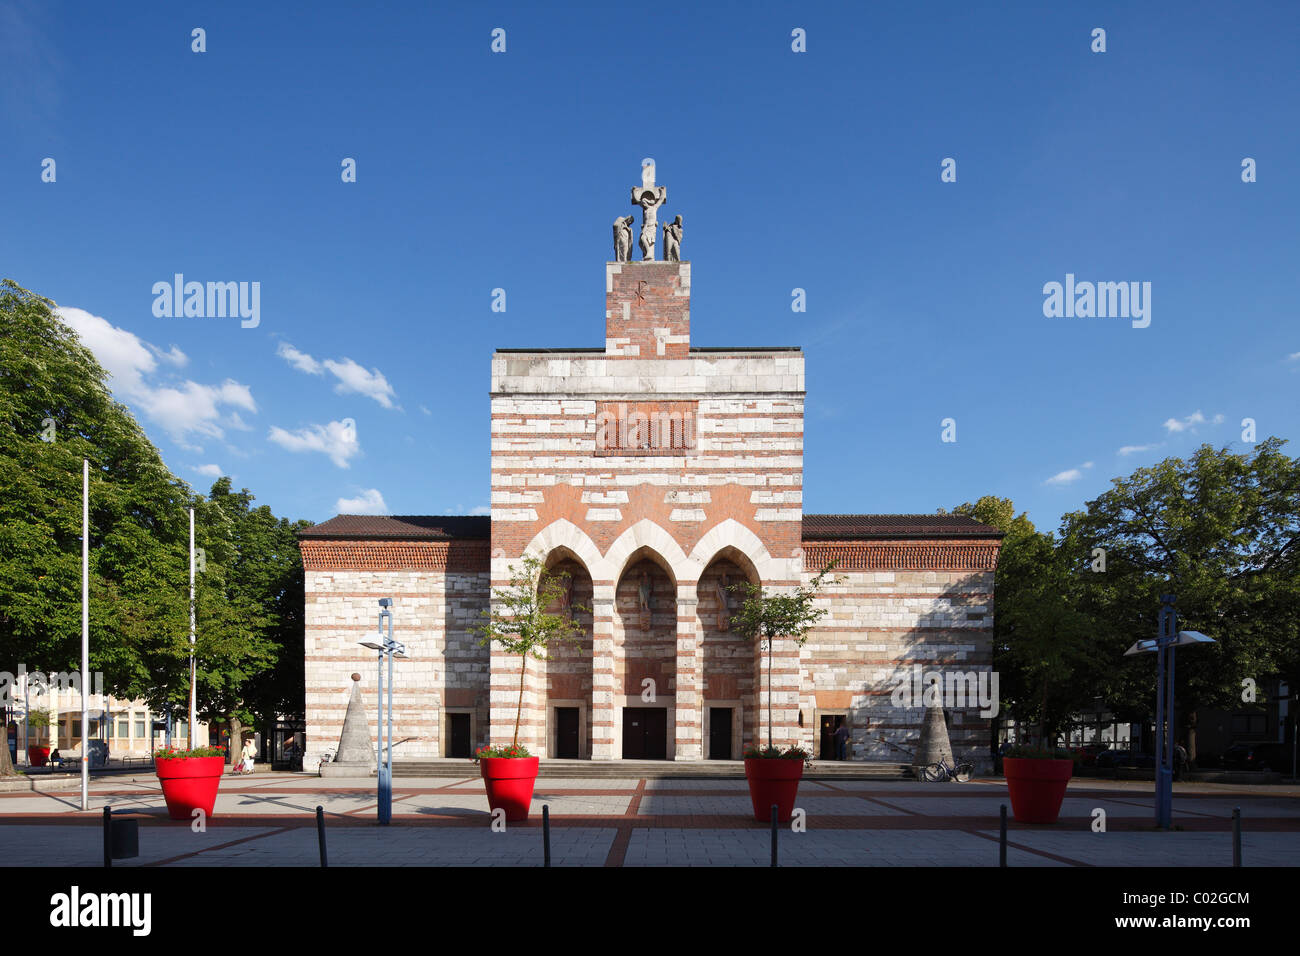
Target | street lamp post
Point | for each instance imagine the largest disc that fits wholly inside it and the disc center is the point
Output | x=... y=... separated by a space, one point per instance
x=1168 y=639
x=387 y=647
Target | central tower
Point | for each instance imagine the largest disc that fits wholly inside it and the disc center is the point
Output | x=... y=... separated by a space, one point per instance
x=656 y=476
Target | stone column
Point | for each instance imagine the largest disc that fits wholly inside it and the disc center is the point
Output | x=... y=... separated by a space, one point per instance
x=603 y=745
x=688 y=716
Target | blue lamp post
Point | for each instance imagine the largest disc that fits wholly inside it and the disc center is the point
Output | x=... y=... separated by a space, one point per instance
x=1168 y=639
x=387 y=647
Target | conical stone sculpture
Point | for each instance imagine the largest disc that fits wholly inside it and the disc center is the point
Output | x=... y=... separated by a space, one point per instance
x=356 y=753
x=934 y=745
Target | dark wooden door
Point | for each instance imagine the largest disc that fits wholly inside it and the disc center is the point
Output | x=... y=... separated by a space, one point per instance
x=830 y=723
x=459 y=744
x=645 y=733
x=719 y=733
x=566 y=733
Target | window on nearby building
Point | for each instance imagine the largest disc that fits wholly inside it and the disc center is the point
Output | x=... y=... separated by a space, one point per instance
x=76 y=728
x=94 y=727
x=139 y=727
x=123 y=728
x=1249 y=725
x=182 y=729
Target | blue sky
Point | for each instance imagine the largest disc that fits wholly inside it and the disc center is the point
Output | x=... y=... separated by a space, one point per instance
x=817 y=170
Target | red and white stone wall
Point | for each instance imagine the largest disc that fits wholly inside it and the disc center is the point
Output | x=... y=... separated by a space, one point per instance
x=647 y=461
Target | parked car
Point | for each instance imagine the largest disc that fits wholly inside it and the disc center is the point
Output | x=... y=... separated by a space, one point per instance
x=1087 y=754
x=1125 y=758
x=1265 y=756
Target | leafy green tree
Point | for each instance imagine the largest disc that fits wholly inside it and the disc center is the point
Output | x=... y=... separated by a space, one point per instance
x=55 y=410
x=1043 y=646
x=1221 y=531
x=257 y=579
x=764 y=616
x=521 y=620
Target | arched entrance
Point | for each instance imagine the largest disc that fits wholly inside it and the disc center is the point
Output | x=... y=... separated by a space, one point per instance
x=568 y=668
x=729 y=705
x=645 y=657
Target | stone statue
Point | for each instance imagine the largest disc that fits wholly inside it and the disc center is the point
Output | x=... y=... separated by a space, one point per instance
x=724 y=603
x=643 y=596
x=623 y=238
x=673 y=241
x=566 y=596
x=649 y=197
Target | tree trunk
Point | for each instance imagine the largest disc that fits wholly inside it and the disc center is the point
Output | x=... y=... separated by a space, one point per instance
x=519 y=704
x=6 y=764
x=1042 y=718
x=236 y=740
x=769 y=693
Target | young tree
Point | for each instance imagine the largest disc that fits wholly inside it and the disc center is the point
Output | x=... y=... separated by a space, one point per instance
x=765 y=616
x=521 y=620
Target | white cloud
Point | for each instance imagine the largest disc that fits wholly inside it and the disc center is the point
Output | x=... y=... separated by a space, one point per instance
x=1293 y=357
x=173 y=356
x=338 y=440
x=370 y=502
x=1134 y=449
x=425 y=410
x=299 y=360
x=1064 y=477
x=183 y=408
x=354 y=378
x=481 y=510
x=1173 y=425
x=1069 y=476
x=207 y=471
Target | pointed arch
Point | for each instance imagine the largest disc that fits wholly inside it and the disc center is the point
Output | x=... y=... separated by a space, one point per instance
x=648 y=536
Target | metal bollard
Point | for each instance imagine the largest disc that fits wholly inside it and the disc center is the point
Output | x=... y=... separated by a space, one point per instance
x=121 y=838
x=546 y=835
x=1002 y=838
x=320 y=835
x=1236 y=836
x=774 y=834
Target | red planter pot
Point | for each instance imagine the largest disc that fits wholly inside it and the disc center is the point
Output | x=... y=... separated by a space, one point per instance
x=1037 y=787
x=773 y=780
x=509 y=782
x=189 y=784
x=38 y=756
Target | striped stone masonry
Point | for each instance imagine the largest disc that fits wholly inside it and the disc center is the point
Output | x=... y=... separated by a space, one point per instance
x=655 y=527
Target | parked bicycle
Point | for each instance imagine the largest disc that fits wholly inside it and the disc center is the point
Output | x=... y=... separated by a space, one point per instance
x=940 y=772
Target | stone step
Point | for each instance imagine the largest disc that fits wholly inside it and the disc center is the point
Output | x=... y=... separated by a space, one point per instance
x=657 y=769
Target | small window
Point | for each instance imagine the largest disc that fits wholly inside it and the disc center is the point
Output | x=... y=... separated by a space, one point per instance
x=139 y=728
x=123 y=729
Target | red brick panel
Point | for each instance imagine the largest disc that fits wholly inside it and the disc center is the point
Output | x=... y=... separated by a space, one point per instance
x=467 y=556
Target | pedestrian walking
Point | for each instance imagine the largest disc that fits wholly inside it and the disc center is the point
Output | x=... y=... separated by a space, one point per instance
x=842 y=742
x=250 y=754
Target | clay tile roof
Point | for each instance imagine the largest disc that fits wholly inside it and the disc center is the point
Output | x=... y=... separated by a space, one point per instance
x=402 y=527
x=861 y=527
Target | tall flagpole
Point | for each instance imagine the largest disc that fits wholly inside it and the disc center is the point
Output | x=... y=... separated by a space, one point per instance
x=85 y=633
x=193 y=695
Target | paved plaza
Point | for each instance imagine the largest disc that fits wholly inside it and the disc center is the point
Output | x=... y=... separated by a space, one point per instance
x=269 y=820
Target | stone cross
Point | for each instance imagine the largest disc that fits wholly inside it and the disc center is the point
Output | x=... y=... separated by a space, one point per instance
x=649 y=197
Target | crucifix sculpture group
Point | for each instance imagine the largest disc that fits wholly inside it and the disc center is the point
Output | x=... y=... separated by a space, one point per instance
x=649 y=197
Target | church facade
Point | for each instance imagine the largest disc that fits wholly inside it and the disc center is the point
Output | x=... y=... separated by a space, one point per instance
x=656 y=474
